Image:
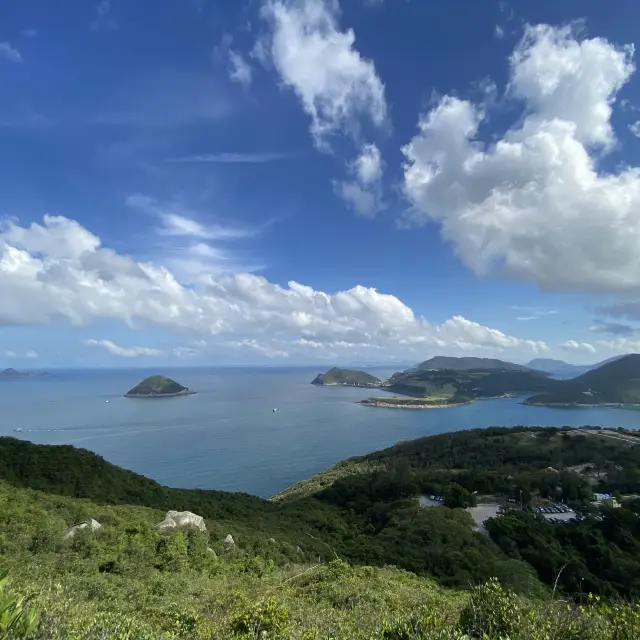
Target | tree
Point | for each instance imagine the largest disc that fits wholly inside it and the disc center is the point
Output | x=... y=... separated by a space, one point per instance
x=457 y=497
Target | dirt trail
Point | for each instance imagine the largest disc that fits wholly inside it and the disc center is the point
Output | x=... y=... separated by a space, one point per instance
x=616 y=436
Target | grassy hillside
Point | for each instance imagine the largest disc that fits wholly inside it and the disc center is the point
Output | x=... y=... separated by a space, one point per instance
x=131 y=583
x=156 y=385
x=128 y=581
x=617 y=381
x=67 y=471
x=461 y=386
x=469 y=364
x=345 y=376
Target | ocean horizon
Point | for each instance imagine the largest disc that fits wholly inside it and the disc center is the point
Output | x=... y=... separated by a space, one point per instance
x=228 y=437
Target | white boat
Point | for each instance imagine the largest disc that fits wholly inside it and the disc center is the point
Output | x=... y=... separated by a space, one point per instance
x=274 y=410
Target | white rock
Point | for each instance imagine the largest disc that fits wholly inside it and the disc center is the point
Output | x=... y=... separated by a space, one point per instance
x=175 y=519
x=92 y=525
x=229 y=542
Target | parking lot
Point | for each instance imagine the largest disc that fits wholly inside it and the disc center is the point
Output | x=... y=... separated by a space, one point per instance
x=556 y=513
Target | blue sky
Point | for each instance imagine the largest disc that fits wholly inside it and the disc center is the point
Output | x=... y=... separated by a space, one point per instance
x=296 y=181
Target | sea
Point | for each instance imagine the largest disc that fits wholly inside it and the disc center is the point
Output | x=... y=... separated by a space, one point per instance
x=227 y=435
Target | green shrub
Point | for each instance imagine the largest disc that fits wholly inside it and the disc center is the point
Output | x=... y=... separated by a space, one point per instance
x=17 y=619
x=492 y=611
x=265 y=616
x=47 y=537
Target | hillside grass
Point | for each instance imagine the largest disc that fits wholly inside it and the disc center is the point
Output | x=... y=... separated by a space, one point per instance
x=129 y=582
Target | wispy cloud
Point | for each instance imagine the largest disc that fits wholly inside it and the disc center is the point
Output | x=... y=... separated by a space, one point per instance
x=532 y=313
x=233 y=157
x=239 y=69
x=103 y=18
x=123 y=352
x=9 y=52
x=177 y=220
x=29 y=33
x=28 y=355
x=191 y=246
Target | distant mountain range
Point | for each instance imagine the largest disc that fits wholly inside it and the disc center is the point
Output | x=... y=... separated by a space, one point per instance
x=561 y=369
x=616 y=382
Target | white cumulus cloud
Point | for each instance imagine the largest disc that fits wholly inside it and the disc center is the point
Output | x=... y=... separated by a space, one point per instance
x=621 y=345
x=124 y=352
x=574 y=345
x=58 y=271
x=536 y=204
x=334 y=83
x=364 y=192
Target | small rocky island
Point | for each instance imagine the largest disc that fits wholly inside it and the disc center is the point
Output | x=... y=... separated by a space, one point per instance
x=12 y=373
x=346 y=378
x=158 y=387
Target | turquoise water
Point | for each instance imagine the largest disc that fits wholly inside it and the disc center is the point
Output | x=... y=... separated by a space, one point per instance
x=227 y=436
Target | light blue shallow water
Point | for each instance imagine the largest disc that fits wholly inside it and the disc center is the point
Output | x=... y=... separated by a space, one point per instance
x=227 y=436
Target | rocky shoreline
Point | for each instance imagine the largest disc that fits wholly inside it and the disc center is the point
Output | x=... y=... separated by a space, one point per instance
x=581 y=405
x=387 y=403
x=186 y=392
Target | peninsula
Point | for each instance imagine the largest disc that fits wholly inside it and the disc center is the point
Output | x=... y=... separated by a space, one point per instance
x=158 y=387
x=346 y=378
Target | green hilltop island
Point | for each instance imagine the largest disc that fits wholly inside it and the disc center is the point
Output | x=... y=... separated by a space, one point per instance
x=526 y=533
x=450 y=382
x=345 y=378
x=158 y=387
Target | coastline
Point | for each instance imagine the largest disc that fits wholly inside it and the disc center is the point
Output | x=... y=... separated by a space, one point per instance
x=385 y=404
x=414 y=403
x=186 y=392
x=580 y=405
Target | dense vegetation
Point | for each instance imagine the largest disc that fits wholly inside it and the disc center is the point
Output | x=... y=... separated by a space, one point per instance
x=469 y=364
x=392 y=531
x=286 y=573
x=525 y=464
x=458 y=380
x=131 y=583
x=616 y=382
x=156 y=386
x=345 y=376
x=463 y=386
